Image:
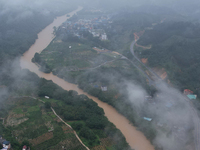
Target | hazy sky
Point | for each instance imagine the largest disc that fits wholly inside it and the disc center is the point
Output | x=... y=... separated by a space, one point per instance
x=25 y=9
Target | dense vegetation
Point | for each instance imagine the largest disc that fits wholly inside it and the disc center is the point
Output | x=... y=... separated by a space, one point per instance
x=30 y=121
x=116 y=79
x=19 y=26
x=175 y=47
x=86 y=117
x=17 y=83
x=113 y=75
x=124 y=25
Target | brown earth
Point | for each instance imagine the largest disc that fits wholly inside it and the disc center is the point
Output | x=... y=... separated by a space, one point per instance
x=144 y=60
x=13 y=119
x=42 y=138
x=105 y=142
x=69 y=144
x=99 y=147
x=144 y=47
x=67 y=129
x=161 y=72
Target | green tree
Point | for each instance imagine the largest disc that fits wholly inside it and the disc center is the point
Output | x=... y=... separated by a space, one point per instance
x=54 y=30
x=37 y=58
x=47 y=105
x=77 y=125
x=97 y=122
x=87 y=133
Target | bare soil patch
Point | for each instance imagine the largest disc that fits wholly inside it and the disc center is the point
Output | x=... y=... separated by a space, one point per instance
x=144 y=60
x=14 y=119
x=42 y=138
x=161 y=72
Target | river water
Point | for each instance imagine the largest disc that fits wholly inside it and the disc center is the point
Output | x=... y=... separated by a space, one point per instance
x=135 y=138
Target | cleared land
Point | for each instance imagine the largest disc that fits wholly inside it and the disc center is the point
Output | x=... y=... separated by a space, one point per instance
x=29 y=120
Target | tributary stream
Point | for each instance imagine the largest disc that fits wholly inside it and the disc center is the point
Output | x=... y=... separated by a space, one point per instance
x=135 y=138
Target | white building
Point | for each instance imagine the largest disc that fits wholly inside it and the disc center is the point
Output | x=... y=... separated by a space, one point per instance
x=47 y=97
x=6 y=145
x=104 y=36
x=95 y=34
x=104 y=88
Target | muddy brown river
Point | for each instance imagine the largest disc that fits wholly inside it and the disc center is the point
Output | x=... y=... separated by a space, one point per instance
x=135 y=138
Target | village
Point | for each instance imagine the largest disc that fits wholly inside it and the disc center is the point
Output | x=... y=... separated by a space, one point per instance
x=7 y=145
x=94 y=26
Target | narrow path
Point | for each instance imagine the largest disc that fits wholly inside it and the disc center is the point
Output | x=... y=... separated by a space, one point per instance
x=60 y=119
x=93 y=67
x=71 y=128
x=65 y=124
x=135 y=138
x=97 y=66
x=102 y=64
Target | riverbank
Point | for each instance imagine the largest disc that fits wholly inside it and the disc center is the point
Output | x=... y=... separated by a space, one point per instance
x=134 y=137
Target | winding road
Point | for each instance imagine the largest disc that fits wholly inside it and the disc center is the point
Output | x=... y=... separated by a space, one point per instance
x=149 y=69
x=192 y=109
x=134 y=138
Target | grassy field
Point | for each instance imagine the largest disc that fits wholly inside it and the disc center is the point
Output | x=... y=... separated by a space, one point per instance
x=79 y=56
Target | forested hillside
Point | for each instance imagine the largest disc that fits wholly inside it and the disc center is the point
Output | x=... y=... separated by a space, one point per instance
x=175 y=46
x=19 y=24
x=28 y=121
x=90 y=69
x=34 y=124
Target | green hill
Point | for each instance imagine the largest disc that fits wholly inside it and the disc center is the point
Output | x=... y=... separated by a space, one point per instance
x=175 y=47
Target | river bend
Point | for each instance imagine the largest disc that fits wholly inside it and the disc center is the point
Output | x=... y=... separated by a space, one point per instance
x=135 y=138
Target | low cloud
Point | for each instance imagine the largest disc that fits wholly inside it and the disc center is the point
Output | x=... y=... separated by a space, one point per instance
x=170 y=111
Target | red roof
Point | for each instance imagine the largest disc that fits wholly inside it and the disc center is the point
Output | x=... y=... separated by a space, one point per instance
x=24 y=147
x=187 y=90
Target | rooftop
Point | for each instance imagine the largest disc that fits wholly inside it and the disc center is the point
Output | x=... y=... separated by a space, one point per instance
x=190 y=96
x=6 y=142
x=148 y=119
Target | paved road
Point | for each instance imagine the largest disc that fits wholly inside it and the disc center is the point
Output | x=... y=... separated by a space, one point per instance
x=150 y=80
x=99 y=65
x=195 y=116
x=150 y=70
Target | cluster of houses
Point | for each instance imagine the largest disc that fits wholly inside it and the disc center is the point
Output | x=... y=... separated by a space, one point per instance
x=189 y=94
x=94 y=26
x=6 y=145
x=104 y=88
